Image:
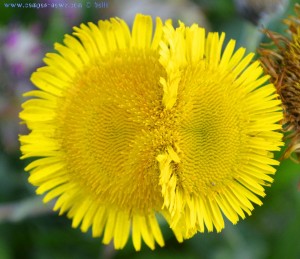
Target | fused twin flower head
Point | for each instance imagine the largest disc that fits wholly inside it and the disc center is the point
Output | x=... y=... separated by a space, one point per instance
x=127 y=125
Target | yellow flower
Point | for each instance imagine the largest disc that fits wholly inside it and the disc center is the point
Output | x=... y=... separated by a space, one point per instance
x=282 y=63
x=127 y=125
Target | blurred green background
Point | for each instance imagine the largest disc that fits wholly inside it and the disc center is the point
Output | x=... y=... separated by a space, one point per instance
x=29 y=229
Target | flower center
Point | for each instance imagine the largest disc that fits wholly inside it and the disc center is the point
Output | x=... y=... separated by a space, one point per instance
x=113 y=126
x=110 y=130
x=210 y=135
